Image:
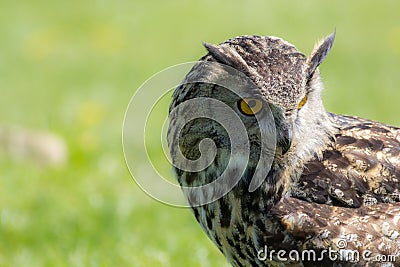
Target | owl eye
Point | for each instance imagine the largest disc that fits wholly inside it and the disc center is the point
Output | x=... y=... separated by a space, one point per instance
x=302 y=103
x=250 y=106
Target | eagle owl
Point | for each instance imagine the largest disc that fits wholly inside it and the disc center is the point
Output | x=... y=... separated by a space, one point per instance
x=327 y=192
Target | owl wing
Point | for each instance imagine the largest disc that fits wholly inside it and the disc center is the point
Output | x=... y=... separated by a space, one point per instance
x=351 y=197
x=362 y=167
x=365 y=235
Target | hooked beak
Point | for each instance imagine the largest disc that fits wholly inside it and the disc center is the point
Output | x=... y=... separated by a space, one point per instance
x=285 y=138
x=284 y=129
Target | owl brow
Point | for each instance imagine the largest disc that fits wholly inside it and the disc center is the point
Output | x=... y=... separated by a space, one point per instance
x=296 y=54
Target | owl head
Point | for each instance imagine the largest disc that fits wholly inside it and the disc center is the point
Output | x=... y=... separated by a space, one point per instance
x=257 y=78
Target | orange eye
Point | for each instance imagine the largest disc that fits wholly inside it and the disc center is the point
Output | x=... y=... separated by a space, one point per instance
x=302 y=103
x=250 y=106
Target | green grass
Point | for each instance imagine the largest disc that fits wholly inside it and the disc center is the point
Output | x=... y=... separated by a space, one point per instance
x=70 y=67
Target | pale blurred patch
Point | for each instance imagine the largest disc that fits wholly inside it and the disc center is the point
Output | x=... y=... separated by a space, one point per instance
x=40 y=147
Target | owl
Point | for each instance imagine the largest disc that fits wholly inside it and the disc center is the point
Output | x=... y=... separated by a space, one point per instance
x=271 y=176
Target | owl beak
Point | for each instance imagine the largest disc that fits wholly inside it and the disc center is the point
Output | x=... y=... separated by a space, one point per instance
x=283 y=127
x=285 y=138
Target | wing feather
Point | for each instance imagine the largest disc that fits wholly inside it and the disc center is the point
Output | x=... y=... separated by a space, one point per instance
x=349 y=200
x=370 y=231
x=362 y=167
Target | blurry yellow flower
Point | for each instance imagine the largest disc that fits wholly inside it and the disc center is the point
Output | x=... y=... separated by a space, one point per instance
x=88 y=140
x=90 y=114
x=107 y=39
x=40 y=44
x=394 y=39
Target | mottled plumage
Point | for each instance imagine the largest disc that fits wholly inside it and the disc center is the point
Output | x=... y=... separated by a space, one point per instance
x=333 y=182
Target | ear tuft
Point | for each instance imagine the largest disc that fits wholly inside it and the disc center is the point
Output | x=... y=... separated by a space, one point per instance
x=218 y=53
x=319 y=53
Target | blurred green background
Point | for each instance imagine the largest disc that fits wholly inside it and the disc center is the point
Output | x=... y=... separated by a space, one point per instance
x=71 y=67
